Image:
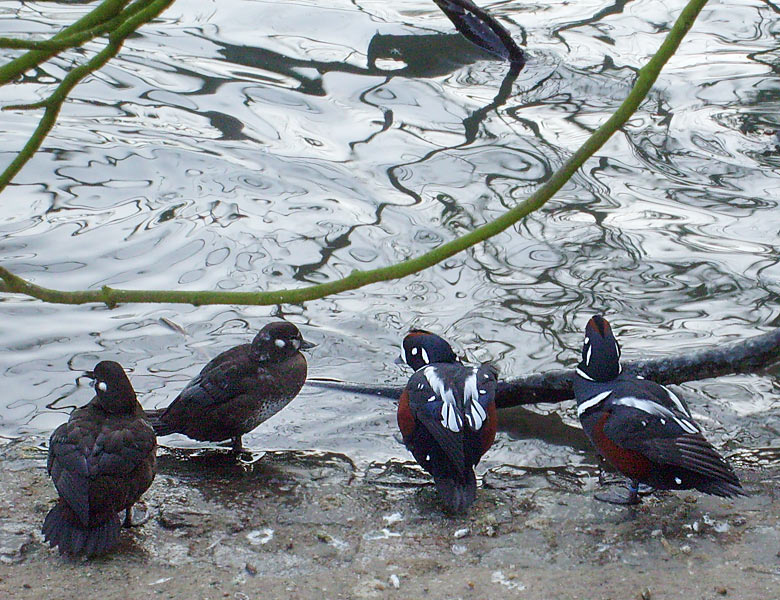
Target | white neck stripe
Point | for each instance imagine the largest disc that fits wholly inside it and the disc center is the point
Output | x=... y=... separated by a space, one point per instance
x=583 y=375
x=591 y=402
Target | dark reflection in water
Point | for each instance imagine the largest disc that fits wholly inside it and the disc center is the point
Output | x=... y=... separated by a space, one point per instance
x=264 y=145
x=418 y=56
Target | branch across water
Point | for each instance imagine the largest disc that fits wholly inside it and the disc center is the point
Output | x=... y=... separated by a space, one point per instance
x=357 y=279
x=746 y=356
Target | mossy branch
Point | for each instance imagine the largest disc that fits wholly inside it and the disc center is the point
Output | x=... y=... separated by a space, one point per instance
x=644 y=82
x=102 y=13
x=104 y=19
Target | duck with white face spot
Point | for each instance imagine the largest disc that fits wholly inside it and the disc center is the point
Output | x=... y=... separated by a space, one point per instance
x=102 y=460
x=641 y=428
x=239 y=389
x=447 y=415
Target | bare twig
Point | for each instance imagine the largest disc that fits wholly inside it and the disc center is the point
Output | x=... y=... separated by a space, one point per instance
x=119 y=28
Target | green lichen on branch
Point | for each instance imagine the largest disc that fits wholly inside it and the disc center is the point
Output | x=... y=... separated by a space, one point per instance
x=99 y=15
x=112 y=297
x=113 y=18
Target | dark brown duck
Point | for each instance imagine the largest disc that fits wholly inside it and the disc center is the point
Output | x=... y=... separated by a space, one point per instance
x=239 y=389
x=102 y=460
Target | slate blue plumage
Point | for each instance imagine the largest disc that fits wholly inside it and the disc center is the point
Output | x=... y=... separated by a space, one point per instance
x=643 y=429
x=447 y=416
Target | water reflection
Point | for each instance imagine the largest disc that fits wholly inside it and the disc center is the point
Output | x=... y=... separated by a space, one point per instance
x=261 y=146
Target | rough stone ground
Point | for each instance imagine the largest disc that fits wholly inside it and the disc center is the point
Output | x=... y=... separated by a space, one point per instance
x=310 y=525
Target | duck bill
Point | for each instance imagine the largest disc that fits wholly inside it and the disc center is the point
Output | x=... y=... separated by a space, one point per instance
x=87 y=374
x=307 y=345
x=400 y=360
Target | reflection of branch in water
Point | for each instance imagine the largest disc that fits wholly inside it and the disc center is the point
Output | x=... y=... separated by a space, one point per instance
x=387 y=113
x=474 y=120
x=482 y=29
x=615 y=9
x=471 y=126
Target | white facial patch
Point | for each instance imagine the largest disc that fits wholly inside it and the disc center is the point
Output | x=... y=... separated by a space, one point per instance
x=424 y=356
x=450 y=418
x=587 y=355
x=414 y=351
x=102 y=386
x=475 y=413
x=657 y=410
x=280 y=343
x=591 y=402
x=296 y=344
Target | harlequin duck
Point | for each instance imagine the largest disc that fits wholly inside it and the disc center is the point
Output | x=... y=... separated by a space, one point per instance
x=447 y=415
x=641 y=428
x=239 y=389
x=101 y=461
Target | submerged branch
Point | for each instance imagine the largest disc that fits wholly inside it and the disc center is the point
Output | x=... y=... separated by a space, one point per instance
x=358 y=279
x=746 y=356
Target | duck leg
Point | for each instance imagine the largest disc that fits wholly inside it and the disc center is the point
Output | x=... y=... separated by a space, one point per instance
x=615 y=497
x=135 y=517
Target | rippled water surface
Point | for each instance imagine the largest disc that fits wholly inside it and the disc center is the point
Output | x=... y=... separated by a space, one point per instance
x=241 y=145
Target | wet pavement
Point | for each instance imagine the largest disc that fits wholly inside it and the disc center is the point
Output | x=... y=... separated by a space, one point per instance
x=313 y=525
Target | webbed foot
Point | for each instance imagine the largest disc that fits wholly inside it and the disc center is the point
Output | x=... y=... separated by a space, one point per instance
x=135 y=517
x=621 y=497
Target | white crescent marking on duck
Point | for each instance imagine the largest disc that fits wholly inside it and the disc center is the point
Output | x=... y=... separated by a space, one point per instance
x=591 y=402
x=658 y=410
x=450 y=418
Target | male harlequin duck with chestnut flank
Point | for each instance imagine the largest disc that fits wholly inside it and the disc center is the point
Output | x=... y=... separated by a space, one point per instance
x=641 y=428
x=101 y=461
x=239 y=389
x=447 y=415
